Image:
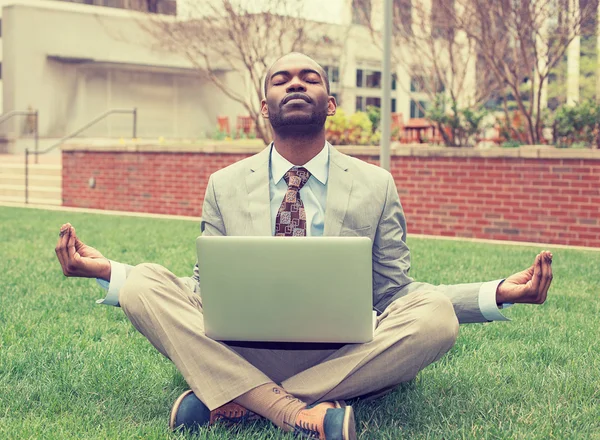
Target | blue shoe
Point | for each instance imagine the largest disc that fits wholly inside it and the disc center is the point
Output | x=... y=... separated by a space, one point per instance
x=326 y=421
x=190 y=413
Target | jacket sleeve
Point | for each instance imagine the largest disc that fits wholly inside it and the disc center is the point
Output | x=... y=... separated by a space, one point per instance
x=212 y=222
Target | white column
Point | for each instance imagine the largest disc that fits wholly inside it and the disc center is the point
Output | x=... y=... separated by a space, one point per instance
x=541 y=43
x=573 y=57
x=466 y=79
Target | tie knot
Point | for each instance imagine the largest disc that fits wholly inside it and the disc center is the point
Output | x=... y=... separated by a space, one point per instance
x=296 y=178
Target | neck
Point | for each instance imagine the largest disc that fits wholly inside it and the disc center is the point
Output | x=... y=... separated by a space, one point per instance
x=299 y=149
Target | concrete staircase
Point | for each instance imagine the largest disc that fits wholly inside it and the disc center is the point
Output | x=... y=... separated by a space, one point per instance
x=45 y=180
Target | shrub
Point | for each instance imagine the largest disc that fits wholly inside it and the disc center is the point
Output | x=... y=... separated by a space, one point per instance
x=357 y=129
x=360 y=129
x=374 y=114
x=576 y=125
x=459 y=126
x=336 y=126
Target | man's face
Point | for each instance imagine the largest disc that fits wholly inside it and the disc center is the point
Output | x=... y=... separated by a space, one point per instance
x=297 y=101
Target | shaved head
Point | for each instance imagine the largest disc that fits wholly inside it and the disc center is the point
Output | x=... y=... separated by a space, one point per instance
x=317 y=66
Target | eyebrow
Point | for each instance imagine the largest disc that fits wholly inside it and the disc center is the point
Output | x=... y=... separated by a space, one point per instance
x=302 y=72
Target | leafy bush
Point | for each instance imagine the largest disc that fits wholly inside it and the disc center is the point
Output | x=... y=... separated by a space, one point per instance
x=374 y=114
x=459 y=126
x=576 y=125
x=360 y=129
x=356 y=129
x=336 y=126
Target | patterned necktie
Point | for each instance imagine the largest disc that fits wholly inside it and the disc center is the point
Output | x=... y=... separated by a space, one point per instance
x=291 y=217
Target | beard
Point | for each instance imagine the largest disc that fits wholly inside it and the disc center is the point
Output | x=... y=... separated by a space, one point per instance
x=298 y=125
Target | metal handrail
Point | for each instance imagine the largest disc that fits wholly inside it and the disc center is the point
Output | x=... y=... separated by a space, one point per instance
x=5 y=117
x=133 y=111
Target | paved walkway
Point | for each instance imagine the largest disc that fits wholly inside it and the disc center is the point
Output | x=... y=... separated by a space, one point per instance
x=539 y=246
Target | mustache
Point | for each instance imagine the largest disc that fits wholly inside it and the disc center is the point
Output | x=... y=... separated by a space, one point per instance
x=296 y=95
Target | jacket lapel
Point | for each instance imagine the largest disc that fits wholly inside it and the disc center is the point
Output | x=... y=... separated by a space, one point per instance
x=257 y=185
x=339 y=186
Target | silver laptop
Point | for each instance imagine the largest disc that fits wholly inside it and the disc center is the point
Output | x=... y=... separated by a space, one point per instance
x=287 y=289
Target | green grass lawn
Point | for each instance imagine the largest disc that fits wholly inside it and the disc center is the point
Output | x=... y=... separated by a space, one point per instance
x=72 y=369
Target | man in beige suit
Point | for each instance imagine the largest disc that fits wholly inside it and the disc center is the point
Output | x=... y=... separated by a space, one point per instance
x=332 y=195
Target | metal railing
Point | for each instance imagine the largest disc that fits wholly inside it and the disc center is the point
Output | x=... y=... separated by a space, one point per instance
x=133 y=111
x=5 y=117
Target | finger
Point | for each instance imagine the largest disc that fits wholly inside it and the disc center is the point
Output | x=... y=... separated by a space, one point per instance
x=548 y=276
x=543 y=280
x=537 y=274
x=71 y=244
x=61 y=252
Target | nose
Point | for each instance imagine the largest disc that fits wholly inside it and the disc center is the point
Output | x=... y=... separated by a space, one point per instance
x=296 y=85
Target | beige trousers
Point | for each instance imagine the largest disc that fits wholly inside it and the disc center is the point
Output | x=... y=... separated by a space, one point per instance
x=413 y=332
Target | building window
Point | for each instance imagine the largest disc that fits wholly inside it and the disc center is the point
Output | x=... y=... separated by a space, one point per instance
x=371 y=79
x=0 y=70
x=376 y=102
x=333 y=73
x=0 y=28
x=417 y=110
x=362 y=102
x=337 y=98
x=361 y=12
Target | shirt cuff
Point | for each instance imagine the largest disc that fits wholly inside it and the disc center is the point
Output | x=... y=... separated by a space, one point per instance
x=118 y=276
x=487 y=302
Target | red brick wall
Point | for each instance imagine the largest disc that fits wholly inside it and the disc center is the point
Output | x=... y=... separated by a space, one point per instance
x=541 y=200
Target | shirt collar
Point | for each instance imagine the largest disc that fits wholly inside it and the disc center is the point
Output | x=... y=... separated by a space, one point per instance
x=318 y=166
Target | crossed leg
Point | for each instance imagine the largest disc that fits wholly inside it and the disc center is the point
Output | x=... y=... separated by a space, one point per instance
x=413 y=332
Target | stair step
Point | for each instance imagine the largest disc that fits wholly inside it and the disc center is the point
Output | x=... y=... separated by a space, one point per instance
x=32 y=200
x=35 y=180
x=40 y=169
x=34 y=191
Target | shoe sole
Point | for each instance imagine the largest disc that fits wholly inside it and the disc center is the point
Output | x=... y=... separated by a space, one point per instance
x=349 y=429
x=173 y=415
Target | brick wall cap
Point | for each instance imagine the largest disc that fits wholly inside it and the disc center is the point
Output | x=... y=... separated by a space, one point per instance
x=414 y=150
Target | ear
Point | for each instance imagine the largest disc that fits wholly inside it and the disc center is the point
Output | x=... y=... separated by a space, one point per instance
x=264 y=109
x=331 y=106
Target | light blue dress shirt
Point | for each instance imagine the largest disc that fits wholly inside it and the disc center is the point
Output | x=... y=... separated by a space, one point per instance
x=313 y=194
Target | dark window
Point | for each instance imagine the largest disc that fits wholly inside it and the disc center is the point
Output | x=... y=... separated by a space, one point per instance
x=359 y=106
x=416 y=84
x=362 y=102
x=359 y=77
x=374 y=101
x=337 y=98
x=152 y=6
x=418 y=110
x=333 y=73
x=0 y=28
x=373 y=79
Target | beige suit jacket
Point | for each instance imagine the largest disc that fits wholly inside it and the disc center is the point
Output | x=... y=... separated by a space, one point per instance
x=362 y=200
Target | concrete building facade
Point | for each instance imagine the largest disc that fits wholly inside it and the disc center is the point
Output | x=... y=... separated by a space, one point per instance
x=73 y=62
